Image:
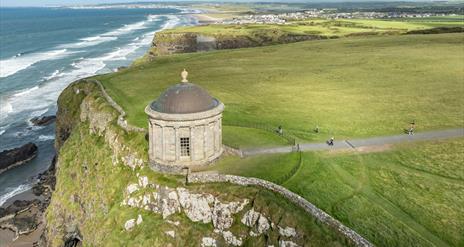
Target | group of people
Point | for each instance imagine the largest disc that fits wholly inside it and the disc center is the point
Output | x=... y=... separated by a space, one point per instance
x=330 y=142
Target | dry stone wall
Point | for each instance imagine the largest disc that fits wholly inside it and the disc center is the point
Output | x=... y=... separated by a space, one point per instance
x=122 y=114
x=314 y=211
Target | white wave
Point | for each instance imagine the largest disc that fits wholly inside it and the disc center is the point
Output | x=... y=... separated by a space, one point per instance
x=173 y=21
x=121 y=53
x=46 y=137
x=3 y=129
x=11 y=192
x=52 y=76
x=26 y=91
x=38 y=113
x=132 y=27
x=90 y=41
x=6 y=108
x=15 y=64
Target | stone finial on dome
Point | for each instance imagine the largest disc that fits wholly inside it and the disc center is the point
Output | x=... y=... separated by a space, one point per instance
x=184 y=75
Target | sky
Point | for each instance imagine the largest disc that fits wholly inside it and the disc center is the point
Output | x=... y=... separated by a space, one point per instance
x=22 y=3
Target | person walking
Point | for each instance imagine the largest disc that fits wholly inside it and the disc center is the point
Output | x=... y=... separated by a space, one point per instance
x=330 y=142
x=412 y=127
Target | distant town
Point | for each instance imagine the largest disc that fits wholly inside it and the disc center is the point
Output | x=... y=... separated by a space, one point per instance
x=283 y=18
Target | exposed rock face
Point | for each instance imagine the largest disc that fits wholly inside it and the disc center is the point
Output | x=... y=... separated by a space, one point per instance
x=256 y=221
x=17 y=156
x=167 y=43
x=196 y=206
x=169 y=202
x=231 y=239
x=199 y=207
x=42 y=121
x=283 y=243
x=171 y=234
x=139 y=219
x=287 y=231
x=222 y=213
x=132 y=188
x=129 y=224
x=208 y=242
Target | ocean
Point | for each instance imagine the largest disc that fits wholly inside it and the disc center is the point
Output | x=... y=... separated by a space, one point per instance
x=42 y=50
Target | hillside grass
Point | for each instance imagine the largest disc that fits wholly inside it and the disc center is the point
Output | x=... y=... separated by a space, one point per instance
x=272 y=167
x=411 y=195
x=353 y=87
x=323 y=27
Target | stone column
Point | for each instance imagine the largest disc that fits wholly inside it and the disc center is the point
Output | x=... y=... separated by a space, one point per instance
x=163 y=144
x=220 y=132
x=192 y=146
x=151 y=148
x=176 y=130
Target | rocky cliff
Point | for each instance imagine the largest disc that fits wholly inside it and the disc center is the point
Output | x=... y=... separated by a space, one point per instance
x=106 y=195
x=166 y=43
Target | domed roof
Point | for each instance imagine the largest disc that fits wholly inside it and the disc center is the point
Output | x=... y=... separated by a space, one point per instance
x=184 y=98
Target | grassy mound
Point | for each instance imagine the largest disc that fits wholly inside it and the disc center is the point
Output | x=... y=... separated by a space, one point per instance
x=353 y=87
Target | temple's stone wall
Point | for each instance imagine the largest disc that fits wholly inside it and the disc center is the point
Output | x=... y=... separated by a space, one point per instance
x=203 y=129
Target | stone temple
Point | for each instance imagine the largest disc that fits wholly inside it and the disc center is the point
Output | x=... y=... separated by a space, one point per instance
x=185 y=127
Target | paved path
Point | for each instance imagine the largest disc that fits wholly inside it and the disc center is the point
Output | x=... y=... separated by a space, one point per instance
x=357 y=143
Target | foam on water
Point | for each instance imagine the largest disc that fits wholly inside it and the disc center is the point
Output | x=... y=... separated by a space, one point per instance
x=13 y=191
x=26 y=91
x=89 y=41
x=132 y=27
x=172 y=22
x=43 y=138
x=15 y=64
x=52 y=76
x=5 y=108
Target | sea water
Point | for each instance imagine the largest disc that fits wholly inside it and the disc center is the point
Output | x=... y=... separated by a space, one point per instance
x=42 y=50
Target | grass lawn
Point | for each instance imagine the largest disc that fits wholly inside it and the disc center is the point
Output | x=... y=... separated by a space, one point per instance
x=324 y=27
x=272 y=167
x=353 y=87
x=242 y=137
x=411 y=195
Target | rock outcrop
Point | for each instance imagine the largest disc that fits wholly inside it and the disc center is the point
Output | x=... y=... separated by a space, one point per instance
x=167 y=43
x=43 y=120
x=17 y=156
x=258 y=222
x=202 y=208
x=24 y=217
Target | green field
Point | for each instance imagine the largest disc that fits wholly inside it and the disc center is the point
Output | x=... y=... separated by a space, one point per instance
x=411 y=195
x=353 y=87
x=322 y=27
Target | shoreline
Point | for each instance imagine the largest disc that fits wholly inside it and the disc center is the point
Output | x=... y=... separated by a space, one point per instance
x=171 y=22
x=39 y=195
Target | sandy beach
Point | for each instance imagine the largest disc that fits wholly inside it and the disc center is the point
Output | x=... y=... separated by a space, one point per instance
x=7 y=236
